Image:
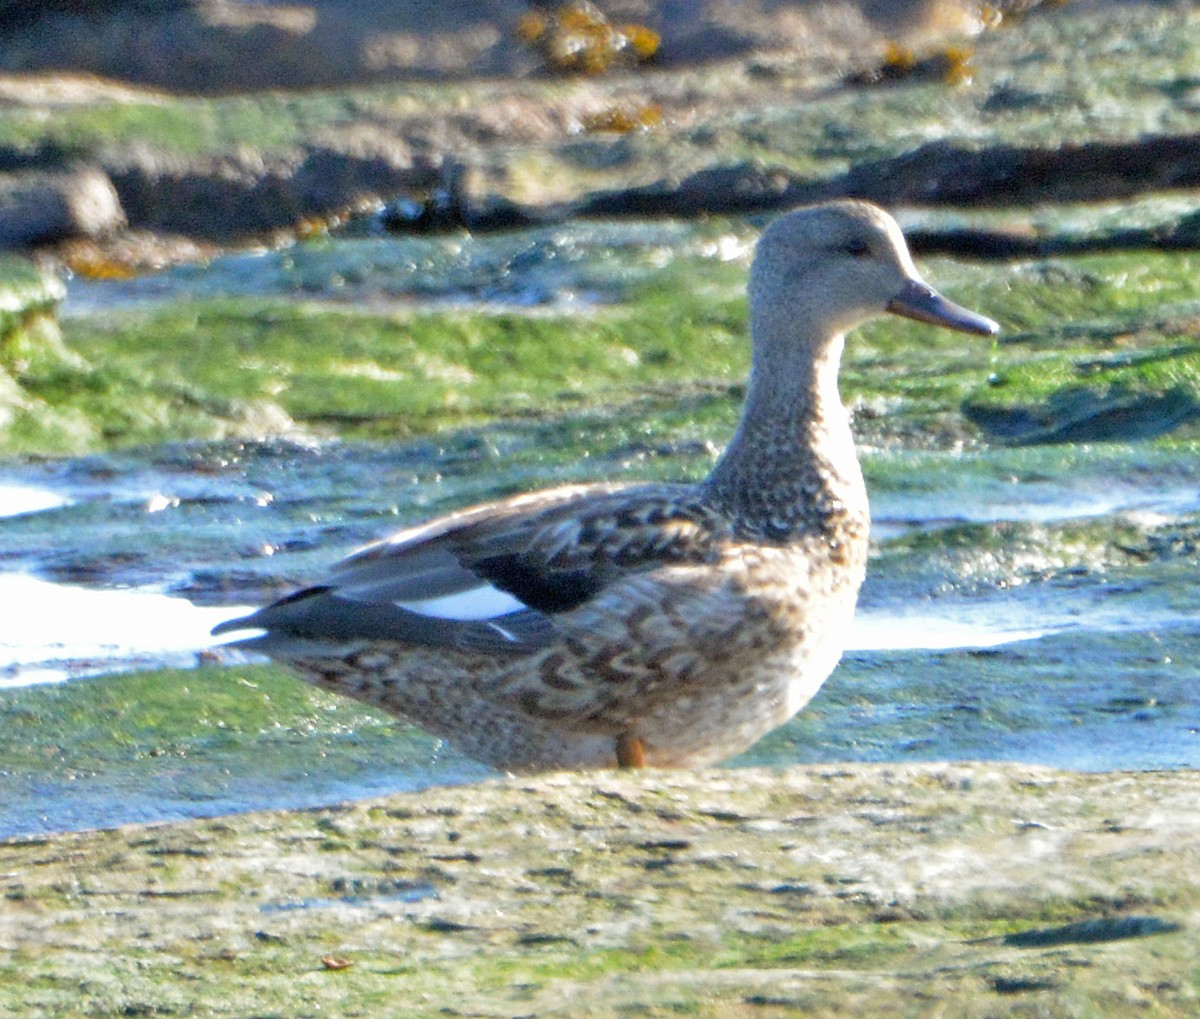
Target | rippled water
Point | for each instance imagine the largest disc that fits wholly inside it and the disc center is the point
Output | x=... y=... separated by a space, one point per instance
x=122 y=562
x=1034 y=604
x=555 y=267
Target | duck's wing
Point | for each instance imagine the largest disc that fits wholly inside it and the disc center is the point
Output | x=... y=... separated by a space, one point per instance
x=492 y=579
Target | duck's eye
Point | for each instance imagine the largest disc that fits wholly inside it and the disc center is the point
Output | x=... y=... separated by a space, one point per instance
x=857 y=248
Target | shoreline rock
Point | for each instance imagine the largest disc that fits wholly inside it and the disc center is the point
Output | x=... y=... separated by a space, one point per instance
x=207 y=47
x=791 y=117
x=506 y=106
x=39 y=209
x=849 y=890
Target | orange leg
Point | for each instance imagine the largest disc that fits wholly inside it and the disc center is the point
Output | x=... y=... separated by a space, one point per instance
x=630 y=752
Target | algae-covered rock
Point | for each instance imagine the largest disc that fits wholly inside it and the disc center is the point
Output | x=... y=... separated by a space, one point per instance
x=214 y=47
x=29 y=297
x=1070 y=103
x=31 y=346
x=832 y=891
x=1082 y=414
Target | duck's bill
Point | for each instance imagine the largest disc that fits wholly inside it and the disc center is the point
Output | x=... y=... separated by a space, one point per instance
x=920 y=301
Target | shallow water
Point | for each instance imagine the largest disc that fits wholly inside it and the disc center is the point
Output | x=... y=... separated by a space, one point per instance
x=1021 y=604
x=553 y=267
x=1004 y=616
x=126 y=561
x=54 y=632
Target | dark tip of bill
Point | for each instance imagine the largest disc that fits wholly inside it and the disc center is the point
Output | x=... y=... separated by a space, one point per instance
x=924 y=304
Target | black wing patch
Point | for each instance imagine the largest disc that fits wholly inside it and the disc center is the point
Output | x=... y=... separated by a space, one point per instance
x=540 y=587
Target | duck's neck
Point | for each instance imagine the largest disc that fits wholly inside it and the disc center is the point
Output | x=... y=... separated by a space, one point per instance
x=791 y=471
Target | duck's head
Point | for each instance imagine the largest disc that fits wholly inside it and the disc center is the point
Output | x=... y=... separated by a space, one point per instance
x=822 y=270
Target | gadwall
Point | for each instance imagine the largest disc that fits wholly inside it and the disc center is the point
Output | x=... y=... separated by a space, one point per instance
x=669 y=625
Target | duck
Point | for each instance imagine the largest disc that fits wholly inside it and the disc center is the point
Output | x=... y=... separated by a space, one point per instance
x=638 y=625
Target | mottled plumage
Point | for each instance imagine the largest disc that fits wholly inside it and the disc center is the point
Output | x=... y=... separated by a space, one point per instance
x=671 y=625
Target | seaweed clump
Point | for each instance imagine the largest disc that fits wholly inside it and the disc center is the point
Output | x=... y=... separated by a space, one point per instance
x=623 y=119
x=577 y=38
x=952 y=66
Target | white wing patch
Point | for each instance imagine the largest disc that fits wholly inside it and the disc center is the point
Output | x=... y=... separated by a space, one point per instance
x=482 y=602
x=508 y=635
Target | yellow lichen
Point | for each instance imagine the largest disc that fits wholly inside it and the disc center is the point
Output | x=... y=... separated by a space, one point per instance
x=951 y=66
x=93 y=265
x=312 y=226
x=898 y=59
x=990 y=17
x=577 y=38
x=958 y=69
x=531 y=27
x=622 y=120
x=642 y=40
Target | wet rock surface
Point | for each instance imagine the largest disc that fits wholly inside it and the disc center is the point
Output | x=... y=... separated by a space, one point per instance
x=1083 y=415
x=790 y=113
x=226 y=45
x=40 y=209
x=846 y=890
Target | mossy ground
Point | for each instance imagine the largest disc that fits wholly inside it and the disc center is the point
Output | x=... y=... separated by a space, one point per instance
x=1058 y=75
x=271 y=123
x=882 y=891
x=171 y=743
x=251 y=367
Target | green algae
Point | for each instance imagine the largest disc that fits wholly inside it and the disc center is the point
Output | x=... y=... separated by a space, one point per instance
x=29 y=333
x=190 y=735
x=249 y=367
x=1072 y=75
x=154 y=714
x=26 y=291
x=840 y=891
x=351 y=373
x=203 y=741
x=30 y=341
x=1107 y=350
x=338 y=358
x=266 y=122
